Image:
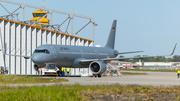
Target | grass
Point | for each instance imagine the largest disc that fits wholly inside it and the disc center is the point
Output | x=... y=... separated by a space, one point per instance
x=14 y=79
x=128 y=73
x=89 y=93
x=150 y=70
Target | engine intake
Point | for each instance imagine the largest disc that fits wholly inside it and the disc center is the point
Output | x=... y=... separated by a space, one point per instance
x=97 y=67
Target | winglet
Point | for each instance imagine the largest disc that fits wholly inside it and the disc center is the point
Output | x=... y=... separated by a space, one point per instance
x=173 y=50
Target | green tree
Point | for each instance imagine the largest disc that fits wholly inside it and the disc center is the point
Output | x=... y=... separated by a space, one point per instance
x=176 y=58
x=168 y=59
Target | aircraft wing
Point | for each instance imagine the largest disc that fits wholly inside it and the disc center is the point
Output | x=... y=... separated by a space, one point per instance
x=121 y=59
x=130 y=52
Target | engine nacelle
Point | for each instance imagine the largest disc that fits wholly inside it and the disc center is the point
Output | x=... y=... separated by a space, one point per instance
x=97 y=67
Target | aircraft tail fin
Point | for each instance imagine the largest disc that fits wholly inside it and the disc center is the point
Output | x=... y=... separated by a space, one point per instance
x=112 y=34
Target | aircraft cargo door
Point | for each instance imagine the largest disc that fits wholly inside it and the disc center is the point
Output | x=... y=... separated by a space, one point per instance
x=54 y=52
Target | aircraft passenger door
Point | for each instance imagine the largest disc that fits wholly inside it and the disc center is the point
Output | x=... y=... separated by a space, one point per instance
x=54 y=52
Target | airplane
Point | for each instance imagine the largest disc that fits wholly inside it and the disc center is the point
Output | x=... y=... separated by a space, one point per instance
x=94 y=58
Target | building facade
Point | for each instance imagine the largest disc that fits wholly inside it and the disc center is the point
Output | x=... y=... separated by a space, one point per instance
x=22 y=39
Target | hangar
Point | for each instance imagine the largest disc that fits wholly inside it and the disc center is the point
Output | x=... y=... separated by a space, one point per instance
x=21 y=38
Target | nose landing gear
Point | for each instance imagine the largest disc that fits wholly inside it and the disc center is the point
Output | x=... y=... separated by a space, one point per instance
x=59 y=73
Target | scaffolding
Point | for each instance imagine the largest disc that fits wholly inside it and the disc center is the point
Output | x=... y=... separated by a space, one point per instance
x=55 y=27
x=21 y=38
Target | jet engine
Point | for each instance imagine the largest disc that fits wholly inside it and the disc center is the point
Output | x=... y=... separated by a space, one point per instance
x=97 y=67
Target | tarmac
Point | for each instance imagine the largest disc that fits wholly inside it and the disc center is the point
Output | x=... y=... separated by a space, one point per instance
x=152 y=79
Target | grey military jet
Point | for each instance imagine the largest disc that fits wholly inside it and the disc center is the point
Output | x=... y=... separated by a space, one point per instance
x=94 y=58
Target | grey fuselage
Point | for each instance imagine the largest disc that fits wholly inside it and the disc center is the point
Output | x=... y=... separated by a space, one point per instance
x=67 y=56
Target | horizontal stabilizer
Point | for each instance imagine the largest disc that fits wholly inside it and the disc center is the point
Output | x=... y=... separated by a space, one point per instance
x=26 y=57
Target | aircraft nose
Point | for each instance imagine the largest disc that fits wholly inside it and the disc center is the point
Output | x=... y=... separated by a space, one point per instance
x=34 y=58
x=37 y=59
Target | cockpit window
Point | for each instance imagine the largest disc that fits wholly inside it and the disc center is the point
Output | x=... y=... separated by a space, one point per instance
x=42 y=51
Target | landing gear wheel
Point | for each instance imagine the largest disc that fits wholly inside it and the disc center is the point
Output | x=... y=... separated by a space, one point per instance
x=94 y=75
x=99 y=75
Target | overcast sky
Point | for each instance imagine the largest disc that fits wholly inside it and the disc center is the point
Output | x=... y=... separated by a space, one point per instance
x=152 y=26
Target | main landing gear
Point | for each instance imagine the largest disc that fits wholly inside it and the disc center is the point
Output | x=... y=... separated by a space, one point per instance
x=97 y=75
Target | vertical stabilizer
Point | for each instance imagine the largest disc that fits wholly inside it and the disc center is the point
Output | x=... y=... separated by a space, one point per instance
x=111 y=38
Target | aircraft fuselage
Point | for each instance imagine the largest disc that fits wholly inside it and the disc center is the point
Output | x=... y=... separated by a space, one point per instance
x=65 y=55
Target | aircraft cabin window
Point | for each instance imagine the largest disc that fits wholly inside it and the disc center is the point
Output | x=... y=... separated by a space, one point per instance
x=42 y=51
